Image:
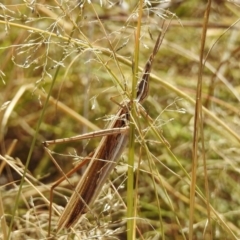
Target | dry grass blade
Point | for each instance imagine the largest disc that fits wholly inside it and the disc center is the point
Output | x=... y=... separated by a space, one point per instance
x=78 y=55
x=198 y=132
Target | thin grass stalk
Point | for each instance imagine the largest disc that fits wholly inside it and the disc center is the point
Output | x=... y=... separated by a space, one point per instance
x=199 y=96
x=131 y=233
x=198 y=130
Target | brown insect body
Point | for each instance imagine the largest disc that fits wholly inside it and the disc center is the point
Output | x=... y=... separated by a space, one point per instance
x=108 y=152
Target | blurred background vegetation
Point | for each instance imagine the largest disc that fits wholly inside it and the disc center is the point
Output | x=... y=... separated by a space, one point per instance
x=72 y=43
